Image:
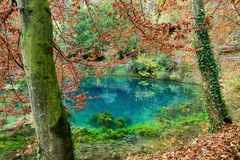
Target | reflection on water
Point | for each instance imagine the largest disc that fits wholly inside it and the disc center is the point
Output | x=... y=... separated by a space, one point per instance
x=138 y=99
x=109 y=97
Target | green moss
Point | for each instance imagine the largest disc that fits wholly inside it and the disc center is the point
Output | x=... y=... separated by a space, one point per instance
x=173 y=112
x=62 y=130
x=194 y=119
x=83 y=135
x=10 y=143
x=113 y=134
x=148 y=131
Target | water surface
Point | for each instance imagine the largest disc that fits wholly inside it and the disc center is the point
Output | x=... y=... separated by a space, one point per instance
x=134 y=98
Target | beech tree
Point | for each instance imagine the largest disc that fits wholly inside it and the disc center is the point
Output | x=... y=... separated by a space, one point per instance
x=52 y=127
x=207 y=65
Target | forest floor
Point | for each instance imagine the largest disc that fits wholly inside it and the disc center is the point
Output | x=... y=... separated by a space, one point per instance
x=224 y=145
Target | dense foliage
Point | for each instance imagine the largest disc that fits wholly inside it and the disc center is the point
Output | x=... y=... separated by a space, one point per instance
x=161 y=67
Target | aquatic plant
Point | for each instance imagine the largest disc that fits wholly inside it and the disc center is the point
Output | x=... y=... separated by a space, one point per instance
x=106 y=120
x=144 y=94
x=102 y=120
x=84 y=135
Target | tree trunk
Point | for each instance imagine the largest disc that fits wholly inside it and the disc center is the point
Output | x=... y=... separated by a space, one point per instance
x=208 y=68
x=52 y=127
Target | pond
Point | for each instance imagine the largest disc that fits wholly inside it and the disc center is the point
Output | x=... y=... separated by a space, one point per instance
x=137 y=99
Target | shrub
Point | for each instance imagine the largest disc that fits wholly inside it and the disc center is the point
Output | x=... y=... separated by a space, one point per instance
x=160 y=67
x=175 y=77
x=162 y=75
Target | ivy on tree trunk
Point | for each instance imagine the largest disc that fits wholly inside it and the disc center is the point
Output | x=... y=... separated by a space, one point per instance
x=208 y=68
x=52 y=127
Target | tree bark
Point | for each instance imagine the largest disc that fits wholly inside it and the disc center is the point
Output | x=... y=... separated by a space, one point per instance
x=52 y=128
x=208 y=67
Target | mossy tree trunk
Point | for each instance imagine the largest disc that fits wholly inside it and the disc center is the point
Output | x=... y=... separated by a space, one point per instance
x=208 y=67
x=52 y=127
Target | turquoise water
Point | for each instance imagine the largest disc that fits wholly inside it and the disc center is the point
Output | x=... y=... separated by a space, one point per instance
x=134 y=98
